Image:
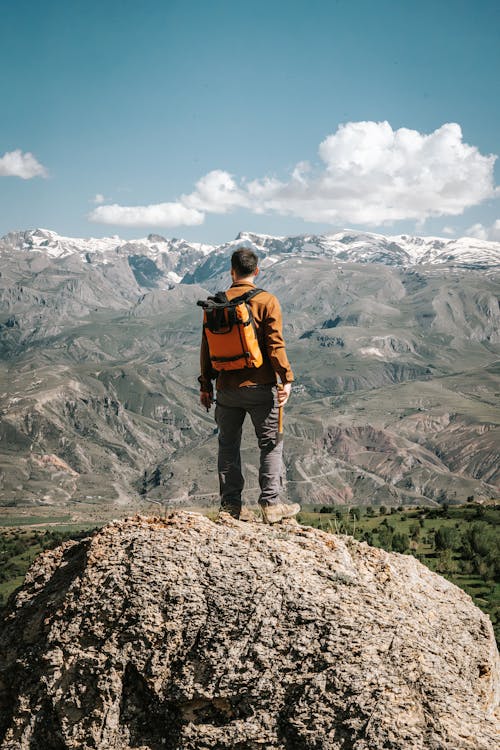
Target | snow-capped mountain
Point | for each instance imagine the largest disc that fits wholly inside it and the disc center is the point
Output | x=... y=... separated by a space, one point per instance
x=56 y=245
x=149 y=256
x=156 y=258
x=356 y=247
x=364 y=247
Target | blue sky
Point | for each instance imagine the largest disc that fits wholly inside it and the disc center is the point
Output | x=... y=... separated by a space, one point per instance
x=278 y=108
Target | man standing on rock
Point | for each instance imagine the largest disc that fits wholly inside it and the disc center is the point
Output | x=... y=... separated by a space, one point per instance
x=252 y=390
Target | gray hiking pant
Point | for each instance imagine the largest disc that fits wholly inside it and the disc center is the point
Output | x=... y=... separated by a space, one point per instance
x=261 y=402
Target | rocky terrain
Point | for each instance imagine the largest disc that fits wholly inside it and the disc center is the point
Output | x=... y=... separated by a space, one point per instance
x=394 y=342
x=179 y=632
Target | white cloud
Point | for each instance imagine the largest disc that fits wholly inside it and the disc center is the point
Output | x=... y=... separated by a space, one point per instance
x=368 y=174
x=450 y=231
x=19 y=164
x=156 y=215
x=372 y=174
x=485 y=233
x=98 y=198
x=216 y=192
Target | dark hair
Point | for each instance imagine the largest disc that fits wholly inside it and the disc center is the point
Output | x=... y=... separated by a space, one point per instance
x=244 y=261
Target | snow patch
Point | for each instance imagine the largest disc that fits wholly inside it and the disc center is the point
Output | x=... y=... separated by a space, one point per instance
x=372 y=351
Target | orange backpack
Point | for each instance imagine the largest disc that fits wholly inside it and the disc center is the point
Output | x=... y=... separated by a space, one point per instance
x=230 y=330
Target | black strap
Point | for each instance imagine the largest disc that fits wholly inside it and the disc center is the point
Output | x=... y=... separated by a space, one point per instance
x=243 y=355
x=220 y=300
x=245 y=297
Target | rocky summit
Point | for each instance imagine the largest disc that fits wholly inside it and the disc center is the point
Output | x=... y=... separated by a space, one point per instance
x=181 y=632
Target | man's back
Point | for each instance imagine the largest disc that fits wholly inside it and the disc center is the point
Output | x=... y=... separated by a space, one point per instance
x=266 y=312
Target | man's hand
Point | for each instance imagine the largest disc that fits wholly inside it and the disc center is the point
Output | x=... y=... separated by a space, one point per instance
x=206 y=399
x=284 y=393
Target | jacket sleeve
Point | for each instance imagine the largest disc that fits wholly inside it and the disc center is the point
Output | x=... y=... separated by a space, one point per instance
x=207 y=372
x=274 y=341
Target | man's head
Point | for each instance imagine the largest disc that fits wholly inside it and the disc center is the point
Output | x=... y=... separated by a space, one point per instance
x=244 y=263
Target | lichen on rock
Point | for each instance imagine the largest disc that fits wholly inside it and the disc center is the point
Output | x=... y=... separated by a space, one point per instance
x=181 y=632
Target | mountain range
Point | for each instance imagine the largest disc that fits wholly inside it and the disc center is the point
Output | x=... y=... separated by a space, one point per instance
x=394 y=342
x=180 y=257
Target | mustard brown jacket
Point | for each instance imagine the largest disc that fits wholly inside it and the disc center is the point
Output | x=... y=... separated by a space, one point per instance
x=266 y=311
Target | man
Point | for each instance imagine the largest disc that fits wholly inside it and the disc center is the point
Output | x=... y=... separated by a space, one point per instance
x=254 y=391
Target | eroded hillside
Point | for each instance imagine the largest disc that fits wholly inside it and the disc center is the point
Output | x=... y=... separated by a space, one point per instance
x=396 y=396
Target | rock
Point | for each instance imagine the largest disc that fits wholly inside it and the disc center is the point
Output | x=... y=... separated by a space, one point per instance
x=185 y=633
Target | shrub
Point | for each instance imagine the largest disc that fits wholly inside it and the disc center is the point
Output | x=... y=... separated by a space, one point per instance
x=385 y=534
x=400 y=542
x=446 y=563
x=447 y=537
x=415 y=531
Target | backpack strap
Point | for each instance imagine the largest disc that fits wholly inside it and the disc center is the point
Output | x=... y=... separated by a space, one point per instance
x=220 y=299
x=244 y=297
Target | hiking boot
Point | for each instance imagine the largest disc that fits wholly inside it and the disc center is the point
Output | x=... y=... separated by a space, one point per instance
x=277 y=512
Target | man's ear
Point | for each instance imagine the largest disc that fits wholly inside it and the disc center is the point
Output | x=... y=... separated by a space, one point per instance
x=257 y=271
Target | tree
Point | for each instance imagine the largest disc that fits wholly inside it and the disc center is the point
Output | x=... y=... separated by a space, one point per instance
x=400 y=542
x=481 y=540
x=415 y=531
x=385 y=534
x=447 y=537
x=382 y=510
x=356 y=513
x=446 y=563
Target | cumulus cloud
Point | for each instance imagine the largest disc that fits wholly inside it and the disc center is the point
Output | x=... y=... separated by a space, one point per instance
x=156 y=215
x=367 y=174
x=19 y=164
x=216 y=192
x=371 y=174
x=485 y=233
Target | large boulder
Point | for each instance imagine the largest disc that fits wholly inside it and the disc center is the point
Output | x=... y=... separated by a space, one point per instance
x=158 y=634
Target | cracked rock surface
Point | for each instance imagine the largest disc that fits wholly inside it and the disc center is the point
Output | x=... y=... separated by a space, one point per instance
x=157 y=634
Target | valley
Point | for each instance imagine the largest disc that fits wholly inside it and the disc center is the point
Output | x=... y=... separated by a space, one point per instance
x=395 y=354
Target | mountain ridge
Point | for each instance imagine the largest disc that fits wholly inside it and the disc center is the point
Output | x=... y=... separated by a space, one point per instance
x=193 y=259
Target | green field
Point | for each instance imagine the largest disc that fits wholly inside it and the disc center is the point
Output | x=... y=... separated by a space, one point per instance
x=462 y=543
x=19 y=546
